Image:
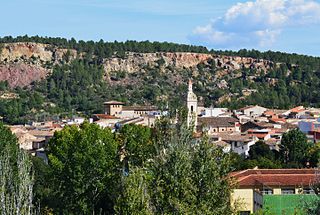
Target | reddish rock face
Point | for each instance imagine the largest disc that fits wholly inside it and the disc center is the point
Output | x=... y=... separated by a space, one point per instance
x=21 y=74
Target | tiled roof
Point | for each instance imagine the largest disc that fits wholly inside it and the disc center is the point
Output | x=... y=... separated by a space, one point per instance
x=269 y=112
x=247 y=107
x=113 y=103
x=221 y=143
x=260 y=136
x=234 y=136
x=140 y=108
x=105 y=116
x=218 y=121
x=274 y=177
x=41 y=133
x=297 y=109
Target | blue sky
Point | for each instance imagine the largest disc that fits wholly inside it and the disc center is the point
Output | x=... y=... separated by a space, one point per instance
x=285 y=25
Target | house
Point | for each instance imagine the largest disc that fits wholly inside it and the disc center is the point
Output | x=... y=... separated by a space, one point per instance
x=226 y=147
x=307 y=126
x=257 y=126
x=113 y=107
x=25 y=140
x=213 y=112
x=280 y=190
x=261 y=134
x=311 y=129
x=213 y=125
x=138 y=111
x=295 y=112
x=239 y=143
x=253 y=111
x=105 y=120
x=244 y=119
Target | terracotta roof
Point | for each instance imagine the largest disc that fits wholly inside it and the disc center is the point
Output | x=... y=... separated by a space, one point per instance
x=105 y=116
x=41 y=133
x=56 y=125
x=289 y=126
x=276 y=177
x=269 y=113
x=297 y=109
x=249 y=107
x=140 y=108
x=113 y=103
x=261 y=124
x=260 y=136
x=276 y=120
x=221 y=143
x=218 y=121
x=235 y=136
x=278 y=111
x=271 y=141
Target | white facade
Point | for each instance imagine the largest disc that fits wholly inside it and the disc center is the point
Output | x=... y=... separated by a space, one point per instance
x=242 y=148
x=192 y=104
x=254 y=111
x=213 y=112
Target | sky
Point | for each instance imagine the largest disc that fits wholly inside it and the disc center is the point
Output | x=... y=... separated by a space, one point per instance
x=279 y=25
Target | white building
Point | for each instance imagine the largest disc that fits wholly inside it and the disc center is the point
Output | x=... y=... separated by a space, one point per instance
x=213 y=112
x=192 y=104
x=253 y=111
x=238 y=143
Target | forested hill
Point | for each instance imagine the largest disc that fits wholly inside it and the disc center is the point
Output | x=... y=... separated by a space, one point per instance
x=45 y=77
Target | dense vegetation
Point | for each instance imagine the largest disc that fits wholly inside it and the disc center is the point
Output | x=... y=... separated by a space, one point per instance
x=137 y=170
x=79 y=86
x=92 y=170
x=16 y=180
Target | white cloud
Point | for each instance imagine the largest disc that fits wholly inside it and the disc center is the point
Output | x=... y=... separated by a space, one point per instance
x=257 y=22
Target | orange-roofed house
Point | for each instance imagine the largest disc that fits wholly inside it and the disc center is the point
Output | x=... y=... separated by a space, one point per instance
x=279 y=190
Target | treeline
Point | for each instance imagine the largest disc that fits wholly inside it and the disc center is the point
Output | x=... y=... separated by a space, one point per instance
x=281 y=87
x=104 y=49
x=276 y=56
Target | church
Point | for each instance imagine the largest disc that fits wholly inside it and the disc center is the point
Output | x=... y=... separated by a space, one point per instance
x=192 y=104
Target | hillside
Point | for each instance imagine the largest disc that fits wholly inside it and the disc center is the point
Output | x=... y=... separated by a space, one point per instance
x=50 y=76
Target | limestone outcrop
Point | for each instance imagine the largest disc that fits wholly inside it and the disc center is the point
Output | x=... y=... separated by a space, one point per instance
x=23 y=63
x=134 y=62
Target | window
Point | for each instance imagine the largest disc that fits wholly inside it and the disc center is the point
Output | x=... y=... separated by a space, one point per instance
x=267 y=191
x=308 y=191
x=244 y=213
x=191 y=108
x=287 y=191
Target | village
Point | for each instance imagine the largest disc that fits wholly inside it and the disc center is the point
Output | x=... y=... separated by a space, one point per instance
x=233 y=130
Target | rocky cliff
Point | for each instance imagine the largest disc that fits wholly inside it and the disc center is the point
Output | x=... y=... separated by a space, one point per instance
x=134 y=62
x=23 y=63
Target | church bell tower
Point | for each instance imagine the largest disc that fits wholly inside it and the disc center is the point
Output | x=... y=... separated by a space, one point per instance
x=192 y=104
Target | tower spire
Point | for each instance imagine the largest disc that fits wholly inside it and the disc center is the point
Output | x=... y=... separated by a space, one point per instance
x=190 y=85
x=192 y=104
